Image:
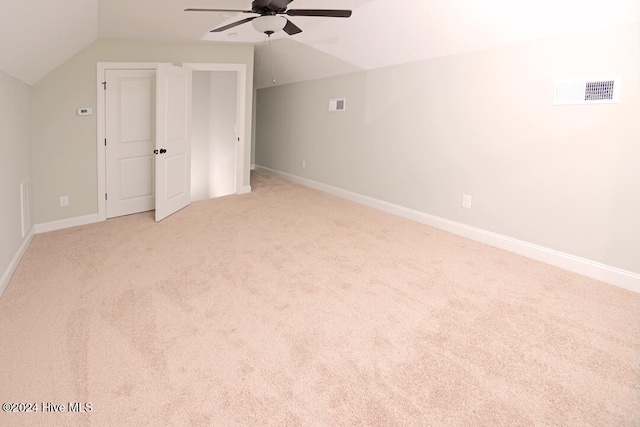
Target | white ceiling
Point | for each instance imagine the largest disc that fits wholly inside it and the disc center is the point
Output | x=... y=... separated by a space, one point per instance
x=36 y=36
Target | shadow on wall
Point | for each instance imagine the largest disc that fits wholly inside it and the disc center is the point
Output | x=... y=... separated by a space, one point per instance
x=289 y=61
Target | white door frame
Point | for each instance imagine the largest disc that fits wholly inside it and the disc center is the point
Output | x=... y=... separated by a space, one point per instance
x=101 y=68
x=241 y=69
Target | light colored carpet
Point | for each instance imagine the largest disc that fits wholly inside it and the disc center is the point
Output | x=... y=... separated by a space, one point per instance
x=288 y=306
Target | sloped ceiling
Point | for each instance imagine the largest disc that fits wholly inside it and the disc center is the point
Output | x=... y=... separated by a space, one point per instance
x=378 y=35
x=36 y=36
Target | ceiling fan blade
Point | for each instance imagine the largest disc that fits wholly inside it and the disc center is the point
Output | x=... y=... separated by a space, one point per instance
x=331 y=13
x=291 y=28
x=235 y=24
x=218 y=10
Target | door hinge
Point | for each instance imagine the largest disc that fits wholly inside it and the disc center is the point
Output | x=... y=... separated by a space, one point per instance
x=105 y=196
x=105 y=142
x=105 y=85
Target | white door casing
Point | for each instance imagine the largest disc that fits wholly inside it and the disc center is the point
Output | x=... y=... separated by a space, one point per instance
x=173 y=140
x=129 y=142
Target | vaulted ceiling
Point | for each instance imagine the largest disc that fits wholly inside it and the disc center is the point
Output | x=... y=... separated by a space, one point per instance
x=37 y=36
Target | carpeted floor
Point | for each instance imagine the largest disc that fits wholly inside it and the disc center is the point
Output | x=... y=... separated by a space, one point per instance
x=288 y=306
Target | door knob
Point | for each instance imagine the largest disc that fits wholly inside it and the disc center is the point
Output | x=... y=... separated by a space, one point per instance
x=155 y=151
x=162 y=151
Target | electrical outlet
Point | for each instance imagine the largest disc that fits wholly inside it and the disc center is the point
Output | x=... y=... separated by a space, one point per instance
x=466 y=201
x=64 y=201
x=304 y=164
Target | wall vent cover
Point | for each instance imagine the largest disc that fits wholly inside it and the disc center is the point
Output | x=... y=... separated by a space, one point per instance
x=337 y=104
x=587 y=91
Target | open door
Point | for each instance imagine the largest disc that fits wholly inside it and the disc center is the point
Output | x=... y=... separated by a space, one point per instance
x=173 y=140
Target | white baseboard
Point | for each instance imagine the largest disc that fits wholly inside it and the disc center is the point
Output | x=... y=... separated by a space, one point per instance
x=604 y=273
x=66 y=223
x=252 y=166
x=6 y=276
x=244 y=190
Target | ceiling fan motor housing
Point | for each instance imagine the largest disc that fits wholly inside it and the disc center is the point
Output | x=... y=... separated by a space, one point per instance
x=269 y=7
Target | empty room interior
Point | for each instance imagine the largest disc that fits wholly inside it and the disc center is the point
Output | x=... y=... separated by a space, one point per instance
x=320 y=212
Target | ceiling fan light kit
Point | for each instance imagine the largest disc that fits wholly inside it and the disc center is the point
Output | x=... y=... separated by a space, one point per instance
x=269 y=24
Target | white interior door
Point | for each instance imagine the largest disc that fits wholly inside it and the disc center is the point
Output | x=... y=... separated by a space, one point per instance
x=130 y=141
x=173 y=140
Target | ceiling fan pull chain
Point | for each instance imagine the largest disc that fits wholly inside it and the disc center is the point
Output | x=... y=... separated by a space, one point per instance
x=273 y=74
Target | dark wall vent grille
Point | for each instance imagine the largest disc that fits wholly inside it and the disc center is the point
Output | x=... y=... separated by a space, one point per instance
x=587 y=91
x=596 y=91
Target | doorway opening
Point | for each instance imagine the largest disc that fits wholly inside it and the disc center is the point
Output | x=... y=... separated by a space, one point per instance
x=214 y=134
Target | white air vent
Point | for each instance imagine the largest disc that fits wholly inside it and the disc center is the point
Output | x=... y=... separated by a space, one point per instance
x=605 y=90
x=337 y=104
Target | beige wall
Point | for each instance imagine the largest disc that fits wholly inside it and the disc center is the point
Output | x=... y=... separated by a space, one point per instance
x=420 y=135
x=64 y=144
x=15 y=163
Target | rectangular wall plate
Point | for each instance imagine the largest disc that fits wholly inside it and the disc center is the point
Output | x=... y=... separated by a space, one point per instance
x=600 y=90
x=339 y=104
x=466 y=201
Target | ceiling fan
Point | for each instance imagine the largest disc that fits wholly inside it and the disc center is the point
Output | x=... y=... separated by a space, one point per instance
x=269 y=19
